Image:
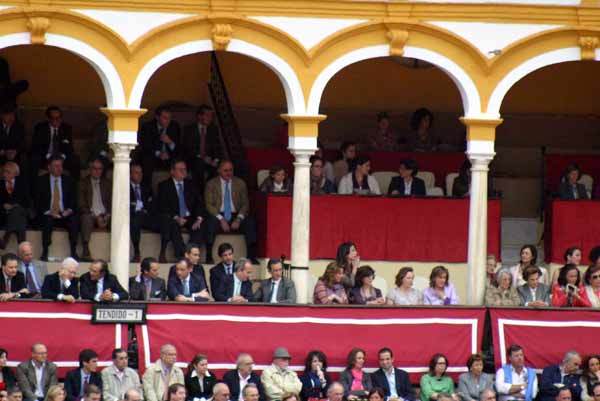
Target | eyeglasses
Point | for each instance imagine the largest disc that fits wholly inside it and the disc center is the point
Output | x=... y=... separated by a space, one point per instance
x=595 y=276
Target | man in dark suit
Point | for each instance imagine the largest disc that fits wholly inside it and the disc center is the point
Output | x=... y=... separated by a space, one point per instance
x=534 y=293
x=407 y=184
x=566 y=374
x=14 y=201
x=236 y=379
x=12 y=281
x=201 y=147
x=185 y=286
x=87 y=374
x=62 y=285
x=101 y=286
x=56 y=205
x=179 y=206
x=228 y=208
x=27 y=377
x=95 y=197
x=35 y=271
x=147 y=285
x=570 y=187
x=158 y=141
x=223 y=269
x=238 y=287
x=141 y=211
x=276 y=289
x=192 y=253
x=12 y=138
x=50 y=138
x=394 y=382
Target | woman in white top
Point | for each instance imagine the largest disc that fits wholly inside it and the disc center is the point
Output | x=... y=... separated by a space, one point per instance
x=359 y=181
x=528 y=258
x=404 y=293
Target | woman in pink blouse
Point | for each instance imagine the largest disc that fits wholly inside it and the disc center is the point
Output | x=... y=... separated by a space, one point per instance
x=329 y=289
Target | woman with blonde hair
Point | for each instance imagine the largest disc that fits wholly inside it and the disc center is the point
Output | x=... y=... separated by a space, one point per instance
x=56 y=393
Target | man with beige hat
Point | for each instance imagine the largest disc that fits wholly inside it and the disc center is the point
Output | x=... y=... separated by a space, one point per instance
x=278 y=379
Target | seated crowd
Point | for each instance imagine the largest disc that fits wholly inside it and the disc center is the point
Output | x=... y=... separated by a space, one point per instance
x=36 y=379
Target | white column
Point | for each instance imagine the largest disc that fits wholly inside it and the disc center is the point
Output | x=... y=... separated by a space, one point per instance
x=119 y=238
x=301 y=223
x=477 y=249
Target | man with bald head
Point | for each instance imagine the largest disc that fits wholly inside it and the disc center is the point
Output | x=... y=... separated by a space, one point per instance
x=226 y=199
x=221 y=392
x=36 y=375
x=35 y=271
x=335 y=392
x=161 y=375
x=62 y=285
x=240 y=377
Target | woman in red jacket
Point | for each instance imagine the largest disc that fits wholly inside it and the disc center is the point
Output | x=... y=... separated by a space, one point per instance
x=568 y=291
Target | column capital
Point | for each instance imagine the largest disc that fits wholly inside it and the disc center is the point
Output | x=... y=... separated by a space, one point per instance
x=479 y=129
x=306 y=126
x=123 y=119
x=121 y=151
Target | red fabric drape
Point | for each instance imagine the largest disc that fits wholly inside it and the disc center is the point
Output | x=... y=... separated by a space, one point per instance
x=423 y=230
x=556 y=164
x=571 y=223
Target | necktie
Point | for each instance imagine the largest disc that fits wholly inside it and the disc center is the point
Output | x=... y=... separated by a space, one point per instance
x=55 y=207
x=138 y=194
x=272 y=293
x=164 y=145
x=29 y=278
x=228 y=270
x=8 y=285
x=6 y=129
x=186 y=287
x=84 y=383
x=227 y=202
x=183 y=210
x=202 y=141
x=236 y=289
x=9 y=187
x=148 y=286
x=53 y=134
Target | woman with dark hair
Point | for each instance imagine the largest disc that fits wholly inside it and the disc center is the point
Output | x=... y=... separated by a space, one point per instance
x=568 y=290
x=315 y=380
x=594 y=256
x=347 y=257
x=363 y=292
x=376 y=394
x=572 y=256
x=462 y=184
x=407 y=184
x=359 y=181
x=591 y=295
x=384 y=138
x=528 y=258
x=356 y=382
x=590 y=377
x=199 y=382
x=534 y=293
x=7 y=376
x=569 y=188
x=319 y=183
x=435 y=381
x=404 y=293
x=422 y=140
x=440 y=291
x=473 y=383
x=327 y=166
x=503 y=293
x=346 y=163
x=329 y=289
x=277 y=182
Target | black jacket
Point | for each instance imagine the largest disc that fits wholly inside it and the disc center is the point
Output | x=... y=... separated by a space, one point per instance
x=19 y=196
x=175 y=287
x=168 y=200
x=149 y=138
x=225 y=290
x=403 y=386
x=51 y=287
x=15 y=140
x=232 y=379
x=17 y=283
x=310 y=391
x=190 y=143
x=43 y=195
x=217 y=276
x=147 y=198
x=40 y=142
x=73 y=383
x=87 y=287
x=137 y=290
x=417 y=188
x=192 y=386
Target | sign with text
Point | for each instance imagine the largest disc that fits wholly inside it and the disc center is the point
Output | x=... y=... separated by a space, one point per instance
x=119 y=313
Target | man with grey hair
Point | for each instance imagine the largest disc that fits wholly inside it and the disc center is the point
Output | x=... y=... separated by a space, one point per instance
x=35 y=271
x=237 y=379
x=564 y=375
x=335 y=392
x=236 y=288
x=250 y=392
x=62 y=285
x=162 y=374
x=278 y=379
x=487 y=395
x=221 y=392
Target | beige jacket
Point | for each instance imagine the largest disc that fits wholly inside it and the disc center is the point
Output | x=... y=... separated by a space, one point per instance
x=114 y=389
x=154 y=386
x=278 y=382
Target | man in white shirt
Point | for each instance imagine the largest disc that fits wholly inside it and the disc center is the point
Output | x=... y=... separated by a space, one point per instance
x=276 y=289
x=95 y=194
x=514 y=381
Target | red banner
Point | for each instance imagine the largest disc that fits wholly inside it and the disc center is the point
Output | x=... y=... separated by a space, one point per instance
x=64 y=328
x=224 y=331
x=545 y=335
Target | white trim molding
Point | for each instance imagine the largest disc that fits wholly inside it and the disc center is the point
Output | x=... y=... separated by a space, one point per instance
x=468 y=91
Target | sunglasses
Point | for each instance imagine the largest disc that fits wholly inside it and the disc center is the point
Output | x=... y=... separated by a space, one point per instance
x=595 y=276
